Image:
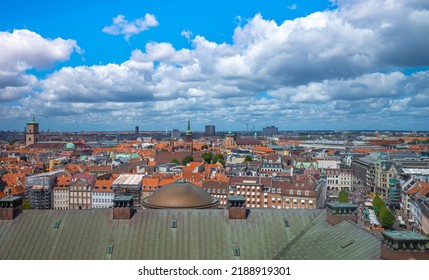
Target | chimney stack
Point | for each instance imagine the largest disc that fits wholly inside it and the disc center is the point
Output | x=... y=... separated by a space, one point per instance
x=10 y=207
x=404 y=245
x=341 y=211
x=237 y=207
x=123 y=207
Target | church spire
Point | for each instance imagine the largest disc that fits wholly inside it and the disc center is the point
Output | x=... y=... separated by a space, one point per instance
x=188 y=131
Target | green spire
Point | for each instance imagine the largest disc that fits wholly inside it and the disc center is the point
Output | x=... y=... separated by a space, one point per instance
x=188 y=131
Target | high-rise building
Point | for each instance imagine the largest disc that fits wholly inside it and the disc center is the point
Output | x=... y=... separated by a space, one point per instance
x=270 y=130
x=175 y=134
x=188 y=138
x=137 y=130
x=32 y=132
x=210 y=130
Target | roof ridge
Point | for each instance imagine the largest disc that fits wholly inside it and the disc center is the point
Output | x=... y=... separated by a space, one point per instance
x=298 y=236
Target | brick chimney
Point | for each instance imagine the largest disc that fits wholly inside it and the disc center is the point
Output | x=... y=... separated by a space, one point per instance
x=341 y=211
x=237 y=207
x=404 y=245
x=123 y=207
x=10 y=207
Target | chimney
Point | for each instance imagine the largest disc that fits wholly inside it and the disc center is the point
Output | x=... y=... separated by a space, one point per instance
x=10 y=207
x=237 y=207
x=341 y=211
x=404 y=245
x=123 y=207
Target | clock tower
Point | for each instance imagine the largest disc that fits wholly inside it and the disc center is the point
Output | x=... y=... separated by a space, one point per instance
x=32 y=132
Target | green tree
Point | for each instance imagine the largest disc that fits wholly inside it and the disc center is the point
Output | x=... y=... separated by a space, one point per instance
x=378 y=203
x=343 y=196
x=248 y=158
x=204 y=147
x=174 y=160
x=222 y=161
x=187 y=160
x=386 y=217
x=26 y=204
x=216 y=158
x=207 y=157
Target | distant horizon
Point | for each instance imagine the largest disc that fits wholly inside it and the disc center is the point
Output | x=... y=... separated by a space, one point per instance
x=226 y=131
x=303 y=65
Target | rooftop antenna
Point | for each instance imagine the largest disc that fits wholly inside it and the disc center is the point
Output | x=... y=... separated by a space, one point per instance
x=166 y=129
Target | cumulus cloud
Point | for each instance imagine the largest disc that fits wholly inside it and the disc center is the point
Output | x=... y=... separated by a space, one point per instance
x=292 y=7
x=22 y=50
x=328 y=68
x=121 y=26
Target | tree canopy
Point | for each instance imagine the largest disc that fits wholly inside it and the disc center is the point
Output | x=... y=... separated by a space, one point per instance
x=207 y=157
x=378 y=203
x=247 y=158
x=174 y=160
x=343 y=196
x=187 y=160
x=216 y=158
x=386 y=217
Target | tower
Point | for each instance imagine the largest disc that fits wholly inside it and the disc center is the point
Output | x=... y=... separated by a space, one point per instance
x=188 y=138
x=32 y=132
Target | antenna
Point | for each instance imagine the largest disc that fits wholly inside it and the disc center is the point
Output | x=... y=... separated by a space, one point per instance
x=166 y=129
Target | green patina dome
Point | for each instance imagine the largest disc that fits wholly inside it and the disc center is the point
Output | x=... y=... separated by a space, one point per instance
x=70 y=146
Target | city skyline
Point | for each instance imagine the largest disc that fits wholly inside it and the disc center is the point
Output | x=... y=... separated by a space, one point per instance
x=107 y=66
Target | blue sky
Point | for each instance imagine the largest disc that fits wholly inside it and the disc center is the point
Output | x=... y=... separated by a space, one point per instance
x=111 y=65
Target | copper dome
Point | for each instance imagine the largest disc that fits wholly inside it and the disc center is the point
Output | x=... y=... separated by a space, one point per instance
x=180 y=195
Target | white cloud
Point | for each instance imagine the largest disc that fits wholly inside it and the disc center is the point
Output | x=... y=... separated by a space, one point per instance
x=22 y=50
x=121 y=26
x=187 y=34
x=292 y=7
x=328 y=68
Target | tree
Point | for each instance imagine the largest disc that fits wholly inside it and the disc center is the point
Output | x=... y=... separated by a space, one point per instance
x=378 y=203
x=26 y=204
x=343 y=196
x=216 y=158
x=204 y=147
x=386 y=217
x=187 y=160
x=174 y=160
x=222 y=161
x=247 y=158
x=207 y=157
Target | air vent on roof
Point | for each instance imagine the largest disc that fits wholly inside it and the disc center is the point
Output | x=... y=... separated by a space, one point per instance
x=109 y=249
x=173 y=224
x=347 y=244
x=236 y=251
x=286 y=222
x=56 y=224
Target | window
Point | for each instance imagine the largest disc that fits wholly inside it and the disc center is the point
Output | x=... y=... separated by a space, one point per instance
x=290 y=191
x=307 y=193
x=298 y=192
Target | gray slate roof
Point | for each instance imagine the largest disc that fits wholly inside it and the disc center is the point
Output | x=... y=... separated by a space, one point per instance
x=200 y=234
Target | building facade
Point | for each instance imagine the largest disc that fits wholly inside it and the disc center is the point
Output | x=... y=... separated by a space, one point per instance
x=102 y=194
x=340 y=179
x=81 y=187
x=210 y=130
x=384 y=170
x=32 y=132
